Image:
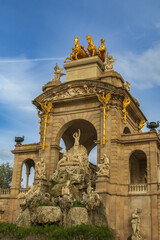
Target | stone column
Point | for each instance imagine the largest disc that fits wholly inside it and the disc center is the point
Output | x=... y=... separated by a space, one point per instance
x=27 y=174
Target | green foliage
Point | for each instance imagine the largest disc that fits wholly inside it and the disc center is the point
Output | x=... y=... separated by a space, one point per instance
x=5 y=175
x=129 y=238
x=42 y=204
x=53 y=184
x=55 y=232
x=79 y=204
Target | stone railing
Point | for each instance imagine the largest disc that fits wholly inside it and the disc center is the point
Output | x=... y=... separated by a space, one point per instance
x=5 y=191
x=24 y=190
x=137 y=188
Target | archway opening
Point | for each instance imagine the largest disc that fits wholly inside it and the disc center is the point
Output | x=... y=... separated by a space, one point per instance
x=88 y=134
x=138 y=167
x=126 y=130
x=28 y=169
x=93 y=156
x=88 y=137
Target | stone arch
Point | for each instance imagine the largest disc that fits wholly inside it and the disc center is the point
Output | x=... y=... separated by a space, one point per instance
x=29 y=164
x=138 y=167
x=126 y=130
x=87 y=129
x=60 y=123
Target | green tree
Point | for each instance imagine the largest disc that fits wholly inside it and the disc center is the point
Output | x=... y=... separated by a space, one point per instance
x=5 y=175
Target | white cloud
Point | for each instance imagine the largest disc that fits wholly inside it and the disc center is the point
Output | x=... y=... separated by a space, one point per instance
x=29 y=60
x=16 y=83
x=21 y=80
x=142 y=70
x=6 y=156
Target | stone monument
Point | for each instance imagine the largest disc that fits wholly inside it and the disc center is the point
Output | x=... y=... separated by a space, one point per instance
x=92 y=108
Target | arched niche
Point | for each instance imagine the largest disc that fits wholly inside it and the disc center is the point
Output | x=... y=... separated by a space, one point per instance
x=88 y=137
x=28 y=168
x=138 y=167
x=87 y=130
x=126 y=130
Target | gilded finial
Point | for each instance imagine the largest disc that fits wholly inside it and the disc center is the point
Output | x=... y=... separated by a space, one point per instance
x=104 y=100
x=141 y=125
x=126 y=102
x=46 y=108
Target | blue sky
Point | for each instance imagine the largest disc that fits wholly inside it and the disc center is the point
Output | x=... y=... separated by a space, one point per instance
x=35 y=34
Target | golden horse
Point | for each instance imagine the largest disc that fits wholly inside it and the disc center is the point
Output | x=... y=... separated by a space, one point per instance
x=102 y=50
x=78 y=51
x=91 y=47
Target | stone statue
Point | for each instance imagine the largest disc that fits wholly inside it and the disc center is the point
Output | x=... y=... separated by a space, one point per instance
x=57 y=74
x=104 y=166
x=76 y=136
x=136 y=225
x=109 y=64
x=63 y=159
x=89 y=188
x=127 y=86
x=40 y=171
x=65 y=189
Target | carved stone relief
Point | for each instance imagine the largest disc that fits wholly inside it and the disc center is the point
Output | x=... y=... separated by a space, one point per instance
x=40 y=170
x=104 y=167
x=74 y=92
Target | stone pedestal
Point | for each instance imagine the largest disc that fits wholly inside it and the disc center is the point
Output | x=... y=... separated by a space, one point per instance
x=102 y=184
x=90 y=67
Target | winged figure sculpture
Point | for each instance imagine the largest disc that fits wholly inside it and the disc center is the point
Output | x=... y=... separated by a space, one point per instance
x=104 y=99
x=46 y=107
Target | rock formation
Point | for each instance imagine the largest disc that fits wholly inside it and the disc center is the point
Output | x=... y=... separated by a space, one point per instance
x=70 y=198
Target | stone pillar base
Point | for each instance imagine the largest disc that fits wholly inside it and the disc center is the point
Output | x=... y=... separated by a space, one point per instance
x=102 y=184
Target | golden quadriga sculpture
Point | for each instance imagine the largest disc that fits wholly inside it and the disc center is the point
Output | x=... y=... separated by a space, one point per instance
x=79 y=52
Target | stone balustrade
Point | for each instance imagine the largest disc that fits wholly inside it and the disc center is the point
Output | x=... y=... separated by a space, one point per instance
x=5 y=191
x=137 y=188
x=23 y=190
